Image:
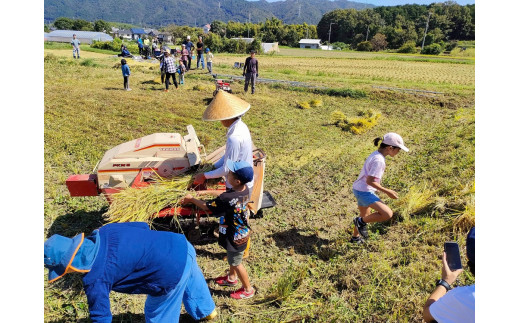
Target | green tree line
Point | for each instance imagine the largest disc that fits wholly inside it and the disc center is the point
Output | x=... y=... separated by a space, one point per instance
x=399 y=26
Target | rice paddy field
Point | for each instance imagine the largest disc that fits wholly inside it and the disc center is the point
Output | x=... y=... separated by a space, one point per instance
x=301 y=264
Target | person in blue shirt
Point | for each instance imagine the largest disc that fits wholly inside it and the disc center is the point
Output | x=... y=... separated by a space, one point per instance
x=130 y=258
x=126 y=74
x=140 y=45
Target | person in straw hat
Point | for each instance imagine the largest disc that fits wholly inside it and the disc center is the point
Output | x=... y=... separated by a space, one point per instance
x=132 y=259
x=228 y=109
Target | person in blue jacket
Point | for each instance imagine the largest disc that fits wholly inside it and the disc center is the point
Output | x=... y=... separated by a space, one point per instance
x=130 y=258
x=126 y=74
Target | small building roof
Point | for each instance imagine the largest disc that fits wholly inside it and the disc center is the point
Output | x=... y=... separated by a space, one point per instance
x=138 y=31
x=93 y=35
x=310 y=41
x=247 y=40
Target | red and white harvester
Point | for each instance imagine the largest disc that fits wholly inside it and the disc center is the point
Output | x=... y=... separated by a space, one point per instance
x=136 y=162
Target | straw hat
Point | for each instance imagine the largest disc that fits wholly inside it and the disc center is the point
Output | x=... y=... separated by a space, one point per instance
x=225 y=106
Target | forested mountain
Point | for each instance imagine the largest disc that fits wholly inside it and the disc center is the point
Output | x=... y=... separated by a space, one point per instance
x=194 y=12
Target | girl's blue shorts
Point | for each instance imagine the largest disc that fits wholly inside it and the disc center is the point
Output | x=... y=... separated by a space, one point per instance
x=365 y=198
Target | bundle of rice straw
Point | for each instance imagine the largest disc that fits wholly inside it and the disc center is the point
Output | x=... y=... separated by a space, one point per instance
x=140 y=204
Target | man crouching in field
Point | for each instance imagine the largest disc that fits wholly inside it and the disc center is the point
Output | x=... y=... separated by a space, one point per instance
x=132 y=259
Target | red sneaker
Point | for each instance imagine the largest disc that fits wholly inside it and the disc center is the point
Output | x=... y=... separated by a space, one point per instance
x=224 y=281
x=242 y=294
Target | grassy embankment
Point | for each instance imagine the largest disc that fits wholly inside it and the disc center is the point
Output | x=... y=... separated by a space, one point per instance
x=301 y=264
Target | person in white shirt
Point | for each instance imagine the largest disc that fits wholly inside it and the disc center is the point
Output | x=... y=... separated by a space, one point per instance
x=369 y=181
x=228 y=109
x=209 y=60
x=453 y=305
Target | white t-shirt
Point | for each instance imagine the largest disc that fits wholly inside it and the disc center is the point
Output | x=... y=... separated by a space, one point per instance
x=239 y=146
x=458 y=305
x=374 y=166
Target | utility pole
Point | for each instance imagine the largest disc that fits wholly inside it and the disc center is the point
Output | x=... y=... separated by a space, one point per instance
x=426 y=30
x=248 y=25
x=330 y=30
x=368 y=28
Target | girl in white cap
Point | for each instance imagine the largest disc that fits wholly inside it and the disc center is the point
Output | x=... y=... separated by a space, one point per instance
x=369 y=181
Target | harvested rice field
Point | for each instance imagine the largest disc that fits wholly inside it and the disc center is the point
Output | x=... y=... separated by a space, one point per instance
x=301 y=263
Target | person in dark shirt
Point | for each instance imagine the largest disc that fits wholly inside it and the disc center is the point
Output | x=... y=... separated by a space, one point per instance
x=234 y=231
x=200 y=51
x=250 y=72
x=132 y=259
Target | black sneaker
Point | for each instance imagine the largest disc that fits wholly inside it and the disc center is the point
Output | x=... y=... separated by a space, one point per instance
x=356 y=240
x=362 y=229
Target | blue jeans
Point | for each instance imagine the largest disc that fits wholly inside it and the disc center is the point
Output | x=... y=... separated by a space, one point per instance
x=191 y=290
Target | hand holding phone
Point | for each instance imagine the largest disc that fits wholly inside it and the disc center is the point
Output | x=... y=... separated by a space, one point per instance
x=451 y=262
x=453 y=255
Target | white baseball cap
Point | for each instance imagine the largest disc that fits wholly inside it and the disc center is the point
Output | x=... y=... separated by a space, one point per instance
x=393 y=139
x=188 y=37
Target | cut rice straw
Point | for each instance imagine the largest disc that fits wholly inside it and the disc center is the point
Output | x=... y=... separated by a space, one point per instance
x=141 y=204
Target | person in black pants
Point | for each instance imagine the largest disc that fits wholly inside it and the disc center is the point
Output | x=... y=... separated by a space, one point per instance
x=200 y=46
x=250 y=72
x=169 y=68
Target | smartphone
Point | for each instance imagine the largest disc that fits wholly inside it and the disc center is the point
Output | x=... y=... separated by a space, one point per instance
x=453 y=255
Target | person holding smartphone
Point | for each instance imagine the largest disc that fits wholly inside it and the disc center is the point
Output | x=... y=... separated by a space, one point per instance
x=447 y=304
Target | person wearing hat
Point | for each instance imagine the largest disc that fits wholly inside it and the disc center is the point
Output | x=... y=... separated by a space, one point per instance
x=228 y=109
x=369 y=181
x=447 y=304
x=132 y=259
x=185 y=55
x=250 y=72
x=231 y=208
x=209 y=60
x=189 y=46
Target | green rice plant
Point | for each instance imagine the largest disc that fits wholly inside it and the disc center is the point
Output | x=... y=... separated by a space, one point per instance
x=304 y=105
x=288 y=71
x=89 y=62
x=288 y=283
x=316 y=103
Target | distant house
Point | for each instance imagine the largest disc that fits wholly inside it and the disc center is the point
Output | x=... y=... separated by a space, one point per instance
x=137 y=32
x=310 y=43
x=152 y=32
x=123 y=33
x=270 y=47
x=206 y=28
x=163 y=37
x=85 y=37
x=247 y=40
